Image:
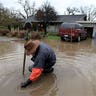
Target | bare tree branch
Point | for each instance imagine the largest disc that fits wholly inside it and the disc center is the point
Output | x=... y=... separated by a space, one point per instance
x=89 y=11
x=27 y=8
x=72 y=11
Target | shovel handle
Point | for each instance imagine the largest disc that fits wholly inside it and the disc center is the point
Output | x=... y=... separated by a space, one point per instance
x=24 y=62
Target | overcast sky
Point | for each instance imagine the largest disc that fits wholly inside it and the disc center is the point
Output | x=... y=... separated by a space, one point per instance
x=59 y=5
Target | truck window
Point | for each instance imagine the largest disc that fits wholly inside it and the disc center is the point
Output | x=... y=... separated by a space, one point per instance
x=71 y=25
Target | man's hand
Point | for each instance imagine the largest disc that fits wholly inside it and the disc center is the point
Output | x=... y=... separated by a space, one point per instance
x=26 y=83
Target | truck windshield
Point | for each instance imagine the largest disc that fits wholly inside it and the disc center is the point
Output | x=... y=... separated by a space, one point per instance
x=71 y=25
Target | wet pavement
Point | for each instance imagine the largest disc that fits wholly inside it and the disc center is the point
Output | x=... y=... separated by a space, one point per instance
x=74 y=74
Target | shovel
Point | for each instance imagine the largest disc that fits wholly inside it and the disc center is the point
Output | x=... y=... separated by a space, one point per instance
x=24 y=62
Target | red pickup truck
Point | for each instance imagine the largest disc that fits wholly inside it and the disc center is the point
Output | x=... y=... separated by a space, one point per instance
x=72 y=32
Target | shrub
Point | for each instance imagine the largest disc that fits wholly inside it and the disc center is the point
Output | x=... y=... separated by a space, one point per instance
x=36 y=35
x=4 y=32
x=12 y=34
x=21 y=34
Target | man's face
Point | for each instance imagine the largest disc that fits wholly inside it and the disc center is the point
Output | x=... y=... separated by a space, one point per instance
x=32 y=52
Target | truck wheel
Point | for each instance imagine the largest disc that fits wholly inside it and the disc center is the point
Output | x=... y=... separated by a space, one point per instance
x=62 y=38
x=79 y=39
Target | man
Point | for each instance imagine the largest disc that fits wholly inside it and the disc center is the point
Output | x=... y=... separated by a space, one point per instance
x=44 y=59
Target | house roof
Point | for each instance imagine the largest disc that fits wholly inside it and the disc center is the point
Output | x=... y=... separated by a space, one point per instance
x=71 y=18
x=62 y=18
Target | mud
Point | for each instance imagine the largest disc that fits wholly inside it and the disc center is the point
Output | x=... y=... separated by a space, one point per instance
x=74 y=74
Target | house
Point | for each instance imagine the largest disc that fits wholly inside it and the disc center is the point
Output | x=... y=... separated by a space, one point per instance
x=90 y=26
x=54 y=25
x=65 y=18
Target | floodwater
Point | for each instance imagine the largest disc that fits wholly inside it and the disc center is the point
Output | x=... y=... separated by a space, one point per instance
x=74 y=74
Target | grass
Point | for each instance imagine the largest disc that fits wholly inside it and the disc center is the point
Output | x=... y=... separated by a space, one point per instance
x=52 y=36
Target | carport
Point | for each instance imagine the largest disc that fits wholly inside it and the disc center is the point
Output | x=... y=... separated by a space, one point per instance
x=90 y=26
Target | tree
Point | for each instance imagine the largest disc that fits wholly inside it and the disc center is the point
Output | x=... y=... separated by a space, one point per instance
x=89 y=11
x=8 y=17
x=28 y=10
x=46 y=13
x=72 y=11
x=1 y=11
